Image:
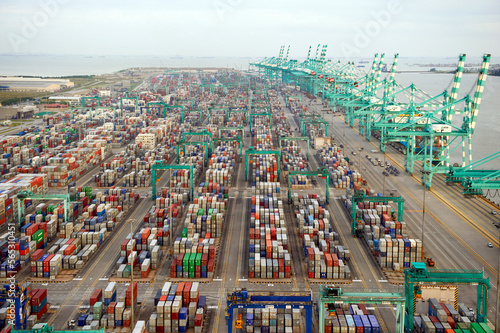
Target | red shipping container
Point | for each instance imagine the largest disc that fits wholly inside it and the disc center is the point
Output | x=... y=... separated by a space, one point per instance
x=41 y=312
x=123 y=246
x=95 y=297
x=111 y=307
x=180 y=289
x=198 y=320
x=69 y=249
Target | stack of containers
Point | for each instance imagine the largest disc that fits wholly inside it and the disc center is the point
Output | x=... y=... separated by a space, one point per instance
x=110 y=293
x=144 y=249
x=38 y=302
x=106 y=178
x=221 y=167
x=443 y=317
x=272 y=320
x=198 y=262
x=206 y=215
x=340 y=175
x=291 y=157
x=269 y=257
x=47 y=266
x=325 y=256
x=350 y=318
x=387 y=239
x=178 y=307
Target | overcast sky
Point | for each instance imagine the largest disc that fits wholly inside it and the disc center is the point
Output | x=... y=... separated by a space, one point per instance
x=250 y=28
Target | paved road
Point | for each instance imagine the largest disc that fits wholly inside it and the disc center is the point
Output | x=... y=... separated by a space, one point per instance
x=456 y=229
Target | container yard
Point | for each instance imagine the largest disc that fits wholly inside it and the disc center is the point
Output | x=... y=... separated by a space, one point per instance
x=269 y=201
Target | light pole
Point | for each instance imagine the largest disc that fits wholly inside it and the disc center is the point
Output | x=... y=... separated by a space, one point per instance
x=424 y=172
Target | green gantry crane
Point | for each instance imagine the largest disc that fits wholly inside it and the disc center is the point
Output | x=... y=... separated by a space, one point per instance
x=161 y=166
x=264 y=115
x=132 y=98
x=313 y=122
x=199 y=111
x=237 y=139
x=359 y=196
x=321 y=172
x=418 y=275
x=237 y=128
x=331 y=294
x=252 y=151
x=91 y=98
x=296 y=138
x=191 y=143
x=159 y=106
x=23 y=195
x=202 y=133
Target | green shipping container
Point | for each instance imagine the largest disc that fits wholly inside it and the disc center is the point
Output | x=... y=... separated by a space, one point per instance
x=37 y=236
x=476 y=328
x=191 y=274
x=486 y=328
x=185 y=261
x=198 y=259
x=184 y=233
x=458 y=330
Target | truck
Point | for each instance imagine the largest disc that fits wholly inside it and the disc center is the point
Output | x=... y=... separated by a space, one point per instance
x=430 y=262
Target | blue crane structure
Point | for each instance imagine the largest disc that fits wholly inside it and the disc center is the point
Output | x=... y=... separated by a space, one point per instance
x=243 y=299
x=20 y=296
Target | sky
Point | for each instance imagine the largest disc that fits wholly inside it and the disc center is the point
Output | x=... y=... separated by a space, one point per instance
x=250 y=28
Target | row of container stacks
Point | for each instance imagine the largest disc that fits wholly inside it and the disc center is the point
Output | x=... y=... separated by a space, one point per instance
x=204 y=221
x=350 y=318
x=107 y=178
x=444 y=317
x=140 y=250
x=116 y=313
x=268 y=246
x=179 y=307
x=340 y=174
x=387 y=239
x=79 y=240
x=269 y=257
x=272 y=320
x=292 y=159
x=326 y=258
